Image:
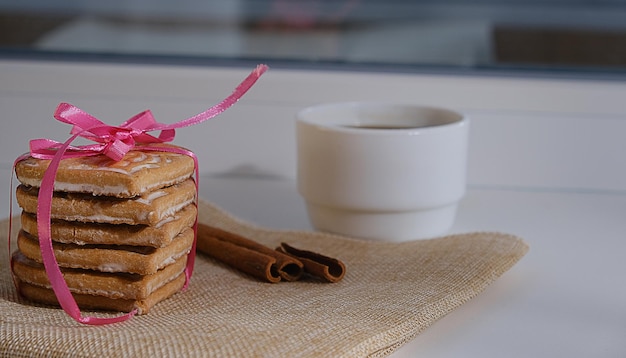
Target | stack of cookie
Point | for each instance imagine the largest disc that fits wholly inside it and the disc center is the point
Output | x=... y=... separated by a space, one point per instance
x=121 y=231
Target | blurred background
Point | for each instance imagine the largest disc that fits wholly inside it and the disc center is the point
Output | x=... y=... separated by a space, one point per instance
x=544 y=82
x=565 y=37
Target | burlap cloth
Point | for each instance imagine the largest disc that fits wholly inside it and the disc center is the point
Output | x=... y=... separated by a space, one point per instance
x=391 y=293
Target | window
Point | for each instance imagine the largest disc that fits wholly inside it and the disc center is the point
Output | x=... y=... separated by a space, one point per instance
x=566 y=37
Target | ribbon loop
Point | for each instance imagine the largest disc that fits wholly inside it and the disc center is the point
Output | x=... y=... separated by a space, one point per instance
x=114 y=142
x=117 y=141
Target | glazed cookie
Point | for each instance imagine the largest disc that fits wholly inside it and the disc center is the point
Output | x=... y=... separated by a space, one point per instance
x=143 y=260
x=148 y=209
x=84 y=301
x=137 y=173
x=112 y=285
x=160 y=235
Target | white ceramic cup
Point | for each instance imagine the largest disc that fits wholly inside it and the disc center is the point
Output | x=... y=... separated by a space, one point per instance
x=381 y=171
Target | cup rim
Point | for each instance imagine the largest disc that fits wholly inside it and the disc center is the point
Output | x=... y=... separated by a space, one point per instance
x=453 y=118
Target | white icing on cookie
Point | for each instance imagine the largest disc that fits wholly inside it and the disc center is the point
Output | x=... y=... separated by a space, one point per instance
x=151 y=197
x=98 y=218
x=139 y=158
x=112 y=190
x=170 y=260
x=143 y=166
x=176 y=208
x=112 y=267
x=133 y=162
x=167 y=220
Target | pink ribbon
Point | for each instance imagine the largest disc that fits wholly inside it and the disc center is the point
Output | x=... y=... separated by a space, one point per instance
x=114 y=142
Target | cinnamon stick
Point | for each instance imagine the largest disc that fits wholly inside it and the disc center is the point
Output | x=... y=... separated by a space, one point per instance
x=247 y=255
x=315 y=264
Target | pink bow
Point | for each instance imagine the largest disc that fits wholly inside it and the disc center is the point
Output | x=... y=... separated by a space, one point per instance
x=114 y=142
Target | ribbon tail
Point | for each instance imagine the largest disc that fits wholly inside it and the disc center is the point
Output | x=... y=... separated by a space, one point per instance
x=57 y=281
x=239 y=91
